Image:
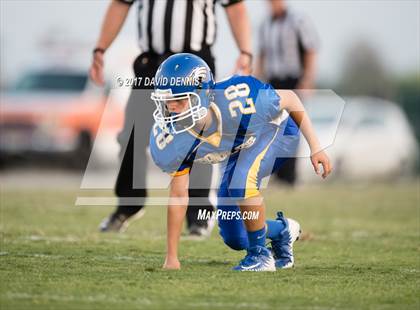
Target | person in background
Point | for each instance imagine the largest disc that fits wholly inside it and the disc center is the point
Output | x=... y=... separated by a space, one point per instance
x=165 y=28
x=288 y=45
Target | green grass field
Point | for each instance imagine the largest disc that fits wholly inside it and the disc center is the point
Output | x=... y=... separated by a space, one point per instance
x=360 y=250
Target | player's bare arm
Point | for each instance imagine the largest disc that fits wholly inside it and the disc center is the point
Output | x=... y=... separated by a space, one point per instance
x=114 y=19
x=292 y=104
x=177 y=207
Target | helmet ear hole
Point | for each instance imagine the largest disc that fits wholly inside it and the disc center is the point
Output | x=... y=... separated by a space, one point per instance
x=194 y=100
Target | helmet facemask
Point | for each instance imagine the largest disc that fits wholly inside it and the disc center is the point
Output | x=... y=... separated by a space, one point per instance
x=177 y=122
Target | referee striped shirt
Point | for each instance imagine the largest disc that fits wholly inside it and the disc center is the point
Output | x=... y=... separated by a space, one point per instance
x=283 y=41
x=176 y=25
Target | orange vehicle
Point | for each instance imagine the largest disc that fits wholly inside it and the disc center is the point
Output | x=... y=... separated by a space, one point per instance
x=55 y=112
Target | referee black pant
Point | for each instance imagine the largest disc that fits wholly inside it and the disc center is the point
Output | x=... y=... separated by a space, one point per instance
x=134 y=139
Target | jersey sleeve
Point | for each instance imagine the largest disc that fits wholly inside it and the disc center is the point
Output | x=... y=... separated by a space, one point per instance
x=267 y=100
x=169 y=157
x=271 y=102
x=184 y=168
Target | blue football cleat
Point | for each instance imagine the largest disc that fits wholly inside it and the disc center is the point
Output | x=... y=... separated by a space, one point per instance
x=282 y=246
x=257 y=259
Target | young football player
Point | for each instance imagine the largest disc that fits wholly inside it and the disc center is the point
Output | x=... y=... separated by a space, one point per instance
x=235 y=123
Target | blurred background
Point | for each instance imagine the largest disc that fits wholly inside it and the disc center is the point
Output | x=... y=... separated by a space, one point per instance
x=50 y=111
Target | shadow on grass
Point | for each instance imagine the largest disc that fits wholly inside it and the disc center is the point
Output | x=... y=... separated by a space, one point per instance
x=207 y=263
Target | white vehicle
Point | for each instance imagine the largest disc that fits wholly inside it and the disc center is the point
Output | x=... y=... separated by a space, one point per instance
x=373 y=140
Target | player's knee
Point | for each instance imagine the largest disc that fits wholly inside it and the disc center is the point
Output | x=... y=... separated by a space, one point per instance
x=236 y=243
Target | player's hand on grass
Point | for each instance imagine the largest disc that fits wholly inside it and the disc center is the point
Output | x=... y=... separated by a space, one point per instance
x=96 y=71
x=171 y=264
x=321 y=158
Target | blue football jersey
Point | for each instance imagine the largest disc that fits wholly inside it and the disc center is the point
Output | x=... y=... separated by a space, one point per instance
x=243 y=109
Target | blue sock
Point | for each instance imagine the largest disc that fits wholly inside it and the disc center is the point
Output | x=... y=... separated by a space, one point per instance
x=257 y=238
x=274 y=228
